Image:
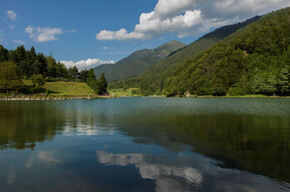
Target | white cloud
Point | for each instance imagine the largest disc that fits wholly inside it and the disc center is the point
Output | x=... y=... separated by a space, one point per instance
x=192 y=17
x=45 y=34
x=86 y=64
x=11 y=15
x=19 y=42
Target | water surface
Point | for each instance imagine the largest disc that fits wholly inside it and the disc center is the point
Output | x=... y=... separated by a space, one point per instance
x=145 y=144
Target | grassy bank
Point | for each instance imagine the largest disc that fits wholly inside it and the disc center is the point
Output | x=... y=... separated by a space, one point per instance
x=57 y=90
x=69 y=88
x=61 y=88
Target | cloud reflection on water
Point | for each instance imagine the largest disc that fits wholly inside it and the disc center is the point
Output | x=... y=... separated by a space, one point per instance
x=202 y=174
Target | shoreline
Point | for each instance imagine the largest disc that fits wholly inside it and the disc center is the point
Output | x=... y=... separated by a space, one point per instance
x=47 y=98
x=81 y=97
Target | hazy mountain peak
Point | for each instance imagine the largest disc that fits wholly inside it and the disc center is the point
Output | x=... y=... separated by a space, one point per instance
x=138 y=62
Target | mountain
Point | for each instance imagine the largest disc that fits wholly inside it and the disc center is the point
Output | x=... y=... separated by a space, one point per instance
x=154 y=78
x=138 y=62
x=254 y=60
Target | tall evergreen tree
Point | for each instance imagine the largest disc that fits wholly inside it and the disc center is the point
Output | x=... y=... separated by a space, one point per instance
x=103 y=84
x=84 y=75
x=51 y=67
x=73 y=73
x=61 y=70
x=4 y=54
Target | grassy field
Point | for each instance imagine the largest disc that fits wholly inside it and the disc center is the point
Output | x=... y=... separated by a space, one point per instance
x=69 y=88
x=124 y=92
x=66 y=88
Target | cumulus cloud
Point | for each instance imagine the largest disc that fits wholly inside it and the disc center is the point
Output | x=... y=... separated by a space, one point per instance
x=192 y=17
x=11 y=15
x=45 y=34
x=86 y=64
x=19 y=42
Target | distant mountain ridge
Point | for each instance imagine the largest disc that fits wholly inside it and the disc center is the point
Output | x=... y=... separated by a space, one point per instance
x=138 y=62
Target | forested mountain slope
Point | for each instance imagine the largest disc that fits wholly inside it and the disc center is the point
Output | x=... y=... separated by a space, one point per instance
x=153 y=80
x=138 y=62
x=254 y=60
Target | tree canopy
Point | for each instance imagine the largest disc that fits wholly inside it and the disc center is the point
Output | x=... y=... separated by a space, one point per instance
x=10 y=78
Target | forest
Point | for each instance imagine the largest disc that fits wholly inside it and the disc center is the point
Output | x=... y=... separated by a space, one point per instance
x=21 y=64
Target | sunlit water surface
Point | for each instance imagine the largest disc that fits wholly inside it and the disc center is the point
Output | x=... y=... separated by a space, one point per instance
x=145 y=144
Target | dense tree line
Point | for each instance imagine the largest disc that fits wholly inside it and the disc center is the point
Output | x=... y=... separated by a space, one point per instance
x=19 y=64
x=30 y=63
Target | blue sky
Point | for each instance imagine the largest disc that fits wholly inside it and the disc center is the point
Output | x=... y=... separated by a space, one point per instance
x=106 y=31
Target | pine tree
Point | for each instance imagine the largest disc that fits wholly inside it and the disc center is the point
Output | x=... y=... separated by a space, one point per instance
x=103 y=84
x=4 y=54
x=51 y=67
x=84 y=75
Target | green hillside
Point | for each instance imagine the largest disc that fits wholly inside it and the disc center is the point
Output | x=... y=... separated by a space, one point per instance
x=154 y=79
x=138 y=62
x=254 y=60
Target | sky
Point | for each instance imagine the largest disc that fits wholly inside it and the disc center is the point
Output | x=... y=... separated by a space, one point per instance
x=89 y=33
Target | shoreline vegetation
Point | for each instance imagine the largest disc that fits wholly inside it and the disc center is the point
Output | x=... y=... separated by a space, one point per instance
x=42 y=98
x=88 y=97
x=62 y=90
x=77 y=91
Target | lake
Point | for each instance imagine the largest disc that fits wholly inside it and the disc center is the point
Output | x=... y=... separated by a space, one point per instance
x=145 y=144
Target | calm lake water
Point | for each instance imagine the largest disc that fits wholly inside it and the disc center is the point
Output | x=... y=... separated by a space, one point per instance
x=145 y=144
